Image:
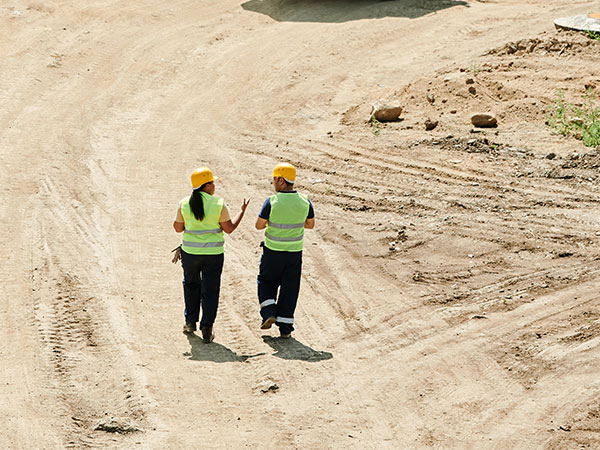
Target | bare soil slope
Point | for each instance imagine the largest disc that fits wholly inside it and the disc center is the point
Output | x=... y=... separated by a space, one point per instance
x=450 y=289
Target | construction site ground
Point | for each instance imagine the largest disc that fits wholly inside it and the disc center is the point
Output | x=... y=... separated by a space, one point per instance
x=450 y=288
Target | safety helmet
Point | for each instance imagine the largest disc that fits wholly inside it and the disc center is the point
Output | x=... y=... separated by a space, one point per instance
x=286 y=171
x=200 y=176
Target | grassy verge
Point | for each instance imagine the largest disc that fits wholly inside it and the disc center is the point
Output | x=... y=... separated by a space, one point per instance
x=581 y=122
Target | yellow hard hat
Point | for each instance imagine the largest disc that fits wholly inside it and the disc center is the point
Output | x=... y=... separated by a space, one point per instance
x=200 y=176
x=285 y=170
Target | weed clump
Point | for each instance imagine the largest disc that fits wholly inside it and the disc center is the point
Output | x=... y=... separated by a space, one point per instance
x=376 y=125
x=595 y=35
x=582 y=122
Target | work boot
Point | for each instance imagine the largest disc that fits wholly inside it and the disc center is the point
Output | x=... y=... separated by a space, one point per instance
x=207 y=335
x=267 y=323
x=189 y=327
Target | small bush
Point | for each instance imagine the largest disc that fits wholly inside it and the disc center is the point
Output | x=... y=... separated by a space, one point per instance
x=581 y=122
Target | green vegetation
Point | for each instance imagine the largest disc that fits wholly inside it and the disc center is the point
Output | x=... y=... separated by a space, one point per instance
x=581 y=122
x=376 y=125
x=593 y=35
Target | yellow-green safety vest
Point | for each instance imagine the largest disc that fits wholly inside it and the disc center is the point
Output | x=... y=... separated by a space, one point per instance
x=285 y=227
x=203 y=237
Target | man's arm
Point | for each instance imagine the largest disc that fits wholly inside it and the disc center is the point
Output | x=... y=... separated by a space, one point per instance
x=261 y=223
x=263 y=216
x=309 y=223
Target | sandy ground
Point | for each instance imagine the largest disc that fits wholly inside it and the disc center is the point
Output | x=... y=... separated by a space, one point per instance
x=450 y=289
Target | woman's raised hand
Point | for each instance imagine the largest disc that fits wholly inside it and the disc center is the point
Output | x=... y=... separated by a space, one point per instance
x=245 y=204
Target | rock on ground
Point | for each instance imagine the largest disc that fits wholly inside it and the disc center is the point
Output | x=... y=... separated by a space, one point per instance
x=386 y=111
x=430 y=124
x=484 y=120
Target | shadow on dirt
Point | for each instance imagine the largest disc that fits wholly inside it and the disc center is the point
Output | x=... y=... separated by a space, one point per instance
x=337 y=11
x=213 y=352
x=292 y=349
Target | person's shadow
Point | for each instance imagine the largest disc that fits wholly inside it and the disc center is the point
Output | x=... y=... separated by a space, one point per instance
x=337 y=11
x=290 y=348
x=213 y=352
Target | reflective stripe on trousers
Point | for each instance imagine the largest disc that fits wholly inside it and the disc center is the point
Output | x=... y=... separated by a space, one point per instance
x=266 y=303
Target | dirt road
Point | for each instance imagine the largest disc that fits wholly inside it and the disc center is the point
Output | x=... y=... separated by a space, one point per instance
x=450 y=289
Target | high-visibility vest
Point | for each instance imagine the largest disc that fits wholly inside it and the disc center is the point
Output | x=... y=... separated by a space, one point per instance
x=285 y=227
x=203 y=237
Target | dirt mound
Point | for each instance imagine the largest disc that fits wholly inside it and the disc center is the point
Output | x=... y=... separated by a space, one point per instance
x=519 y=87
x=573 y=43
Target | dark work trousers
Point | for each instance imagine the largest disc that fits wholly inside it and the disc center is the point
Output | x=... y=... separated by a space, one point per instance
x=201 y=286
x=279 y=270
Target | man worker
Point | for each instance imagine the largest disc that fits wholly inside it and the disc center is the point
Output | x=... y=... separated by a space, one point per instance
x=284 y=215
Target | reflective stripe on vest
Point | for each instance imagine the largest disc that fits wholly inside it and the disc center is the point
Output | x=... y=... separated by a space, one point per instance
x=203 y=237
x=203 y=244
x=198 y=232
x=284 y=239
x=285 y=227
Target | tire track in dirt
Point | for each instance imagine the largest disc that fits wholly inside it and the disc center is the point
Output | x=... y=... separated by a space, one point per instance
x=538 y=365
x=355 y=188
x=447 y=358
x=350 y=157
x=537 y=281
x=357 y=198
x=72 y=321
x=498 y=228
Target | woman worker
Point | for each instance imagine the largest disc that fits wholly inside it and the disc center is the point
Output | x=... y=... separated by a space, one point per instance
x=202 y=217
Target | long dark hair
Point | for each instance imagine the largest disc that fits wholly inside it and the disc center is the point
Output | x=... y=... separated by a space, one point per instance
x=196 y=202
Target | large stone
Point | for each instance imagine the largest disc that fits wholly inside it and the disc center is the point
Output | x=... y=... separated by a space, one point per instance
x=430 y=124
x=484 y=120
x=386 y=111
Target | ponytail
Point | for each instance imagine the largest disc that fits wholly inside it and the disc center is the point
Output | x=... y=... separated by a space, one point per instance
x=196 y=203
